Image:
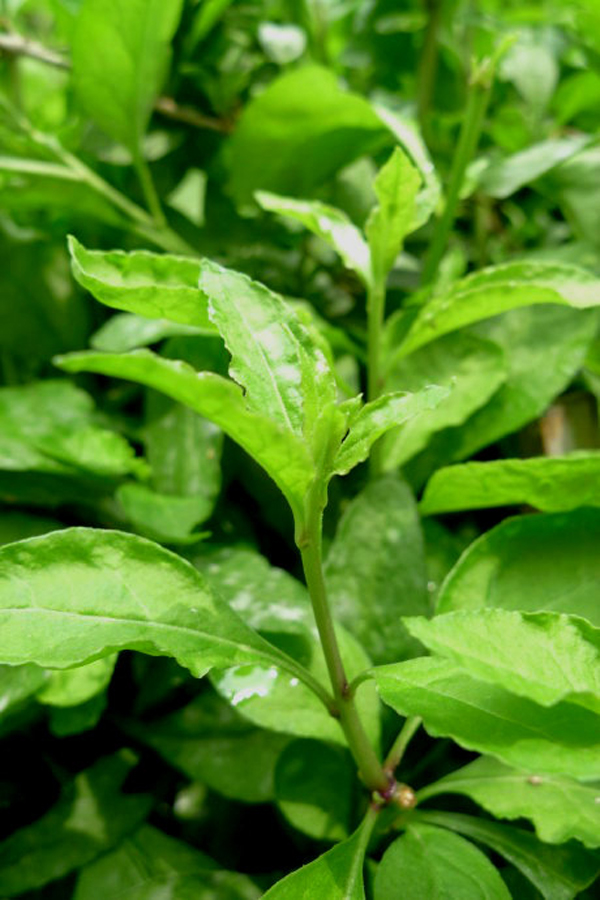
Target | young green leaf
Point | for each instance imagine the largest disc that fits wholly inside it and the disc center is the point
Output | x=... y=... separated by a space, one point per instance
x=221 y=401
x=547 y=657
x=396 y=186
x=375 y=569
x=498 y=289
x=70 y=687
x=154 y=285
x=533 y=563
x=434 y=863
x=330 y=224
x=379 y=416
x=119 y=81
x=560 y=808
x=285 y=374
x=558 y=873
x=337 y=875
x=127 y=331
x=91 y=817
x=76 y=595
x=551 y=484
x=563 y=739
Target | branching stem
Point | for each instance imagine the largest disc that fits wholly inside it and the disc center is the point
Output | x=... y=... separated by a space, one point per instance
x=398 y=748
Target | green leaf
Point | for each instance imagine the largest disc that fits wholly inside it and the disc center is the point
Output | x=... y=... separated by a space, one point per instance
x=164 y=518
x=211 y=744
x=91 y=816
x=217 y=399
x=330 y=224
x=559 y=807
x=471 y=368
x=375 y=569
x=315 y=789
x=65 y=721
x=70 y=687
x=307 y=127
x=498 y=289
x=154 y=285
x=120 y=79
x=149 y=865
x=127 y=331
x=433 y=863
x=563 y=739
x=19 y=684
x=285 y=374
x=547 y=657
x=534 y=563
x=505 y=176
x=15 y=526
x=379 y=416
x=551 y=484
x=559 y=873
x=396 y=186
x=76 y=595
x=337 y=875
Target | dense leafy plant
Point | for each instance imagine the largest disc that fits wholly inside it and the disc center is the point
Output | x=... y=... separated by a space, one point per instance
x=237 y=657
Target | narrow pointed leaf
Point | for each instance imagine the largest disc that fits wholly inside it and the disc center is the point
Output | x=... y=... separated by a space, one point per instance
x=547 y=657
x=559 y=873
x=396 y=186
x=330 y=224
x=217 y=399
x=337 y=875
x=560 y=808
x=551 y=484
x=543 y=562
x=153 y=285
x=496 y=290
x=285 y=374
x=379 y=416
x=77 y=595
x=563 y=739
x=433 y=863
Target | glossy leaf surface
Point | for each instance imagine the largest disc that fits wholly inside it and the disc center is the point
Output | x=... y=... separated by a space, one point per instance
x=560 y=808
x=434 y=863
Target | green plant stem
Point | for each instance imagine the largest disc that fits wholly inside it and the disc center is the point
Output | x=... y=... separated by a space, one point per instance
x=398 y=748
x=428 y=63
x=470 y=133
x=149 y=190
x=375 y=377
x=310 y=545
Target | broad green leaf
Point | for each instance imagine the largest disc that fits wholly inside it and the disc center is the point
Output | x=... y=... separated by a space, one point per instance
x=49 y=426
x=379 y=416
x=79 y=594
x=547 y=657
x=274 y=699
x=505 y=176
x=19 y=684
x=544 y=562
x=163 y=517
x=563 y=739
x=127 y=331
x=551 y=484
x=375 y=569
x=396 y=186
x=330 y=224
x=544 y=347
x=211 y=744
x=217 y=399
x=471 y=368
x=91 y=817
x=499 y=289
x=69 y=687
x=559 y=807
x=315 y=787
x=154 y=285
x=150 y=865
x=559 y=873
x=307 y=127
x=119 y=81
x=337 y=875
x=434 y=863
x=285 y=374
